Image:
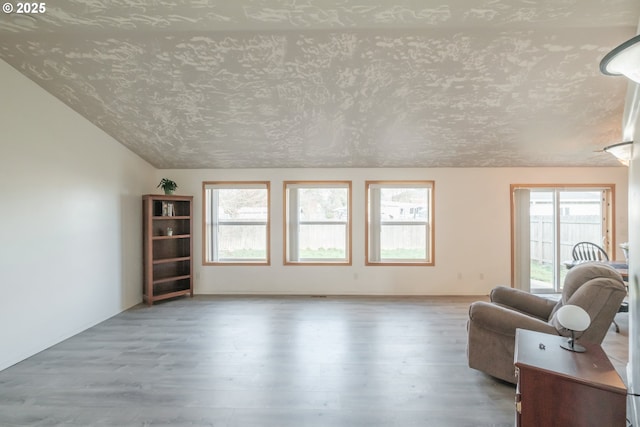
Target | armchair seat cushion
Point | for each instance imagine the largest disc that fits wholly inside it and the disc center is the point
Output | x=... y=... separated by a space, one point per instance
x=501 y=320
x=523 y=302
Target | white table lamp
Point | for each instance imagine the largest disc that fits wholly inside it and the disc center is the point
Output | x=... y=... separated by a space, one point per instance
x=575 y=319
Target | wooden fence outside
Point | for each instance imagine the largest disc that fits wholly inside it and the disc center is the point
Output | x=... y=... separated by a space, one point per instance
x=573 y=229
x=323 y=237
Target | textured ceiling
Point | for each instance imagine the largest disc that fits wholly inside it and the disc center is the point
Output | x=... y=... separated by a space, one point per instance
x=317 y=83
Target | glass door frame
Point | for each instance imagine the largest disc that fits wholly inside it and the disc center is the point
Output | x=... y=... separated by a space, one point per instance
x=608 y=222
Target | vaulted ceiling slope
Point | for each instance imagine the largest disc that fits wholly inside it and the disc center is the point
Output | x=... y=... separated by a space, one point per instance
x=343 y=83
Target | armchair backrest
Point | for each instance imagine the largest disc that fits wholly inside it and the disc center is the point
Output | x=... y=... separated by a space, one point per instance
x=599 y=290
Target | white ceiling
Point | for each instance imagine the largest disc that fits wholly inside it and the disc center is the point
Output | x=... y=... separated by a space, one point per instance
x=343 y=83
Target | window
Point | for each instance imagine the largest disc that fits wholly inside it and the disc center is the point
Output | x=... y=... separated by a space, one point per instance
x=399 y=223
x=317 y=222
x=236 y=222
x=547 y=221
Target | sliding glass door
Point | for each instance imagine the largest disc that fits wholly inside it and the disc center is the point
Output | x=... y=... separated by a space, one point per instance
x=558 y=218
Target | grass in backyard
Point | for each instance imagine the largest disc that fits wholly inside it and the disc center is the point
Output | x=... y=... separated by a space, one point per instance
x=541 y=271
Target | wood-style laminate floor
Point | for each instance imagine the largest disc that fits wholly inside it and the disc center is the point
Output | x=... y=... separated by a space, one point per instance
x=268 y=361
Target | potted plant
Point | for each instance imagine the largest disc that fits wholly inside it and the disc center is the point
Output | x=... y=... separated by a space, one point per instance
x=167 y=185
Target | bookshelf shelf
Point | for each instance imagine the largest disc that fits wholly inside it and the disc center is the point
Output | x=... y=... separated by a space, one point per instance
x=168 y=247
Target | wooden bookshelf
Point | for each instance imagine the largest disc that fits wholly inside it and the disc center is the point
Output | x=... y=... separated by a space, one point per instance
x=168 y=247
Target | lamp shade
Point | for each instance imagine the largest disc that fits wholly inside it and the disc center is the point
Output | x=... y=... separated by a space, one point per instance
x=623 y=60
x=622 y=151
x=573 y=318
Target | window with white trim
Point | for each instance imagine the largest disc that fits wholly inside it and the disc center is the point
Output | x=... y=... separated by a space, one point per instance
x=399 y=223
x=236 y=222
x=317 y=222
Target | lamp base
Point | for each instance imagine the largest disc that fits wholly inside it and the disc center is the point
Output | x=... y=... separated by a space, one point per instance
x=571 y=345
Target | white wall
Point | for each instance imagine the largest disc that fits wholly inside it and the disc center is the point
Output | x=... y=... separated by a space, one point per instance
x=472 y=222
x=70 y=221
x=633 y=369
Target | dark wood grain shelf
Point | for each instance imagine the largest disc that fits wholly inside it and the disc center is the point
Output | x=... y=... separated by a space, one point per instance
x=168 y=218
x=169 y=260
x=168 y=247
x=180 y=236
x=173 y=294
x=171 y=279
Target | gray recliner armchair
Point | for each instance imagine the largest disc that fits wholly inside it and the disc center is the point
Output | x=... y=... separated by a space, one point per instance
x=597 y=288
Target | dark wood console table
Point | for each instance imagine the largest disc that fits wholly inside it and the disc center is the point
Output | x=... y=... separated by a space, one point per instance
x=557 y=387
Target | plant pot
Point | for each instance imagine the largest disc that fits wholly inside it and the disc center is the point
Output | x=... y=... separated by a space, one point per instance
x=168 y=192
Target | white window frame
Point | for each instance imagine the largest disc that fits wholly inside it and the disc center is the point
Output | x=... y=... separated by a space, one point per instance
x=211 y=222
x=374 y=223
x=292 y=223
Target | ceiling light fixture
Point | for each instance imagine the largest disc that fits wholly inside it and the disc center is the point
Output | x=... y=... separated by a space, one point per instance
x=621 y=150
x=623 y=60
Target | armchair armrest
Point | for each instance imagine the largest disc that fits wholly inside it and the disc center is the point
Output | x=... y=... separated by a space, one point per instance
x=505 y=321
x=523 y=301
